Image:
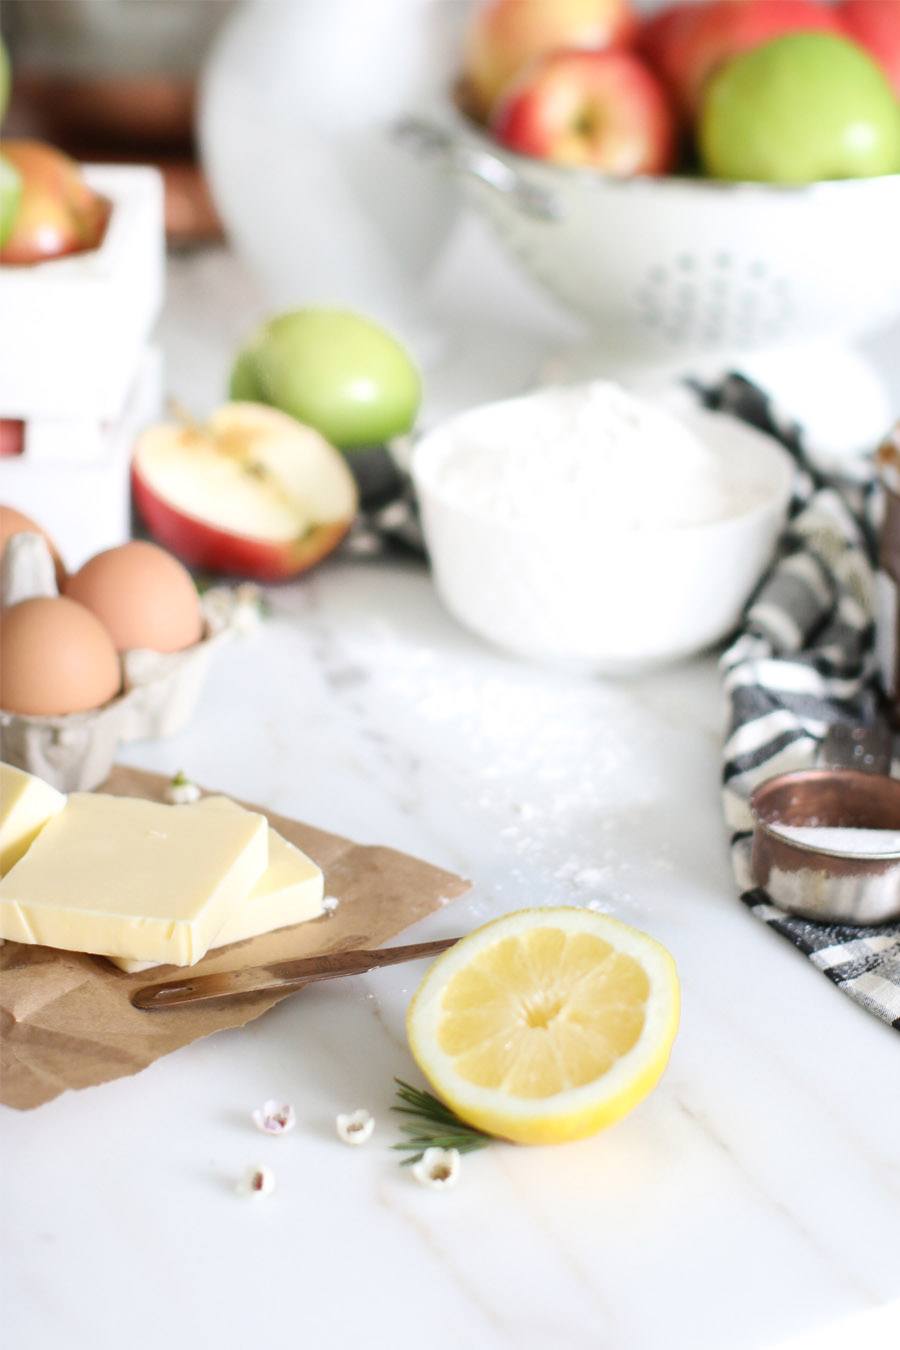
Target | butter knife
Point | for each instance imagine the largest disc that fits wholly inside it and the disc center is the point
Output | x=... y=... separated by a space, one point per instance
x=281 y=977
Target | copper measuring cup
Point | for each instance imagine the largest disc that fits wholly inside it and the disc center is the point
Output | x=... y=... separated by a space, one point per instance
x=817 y=883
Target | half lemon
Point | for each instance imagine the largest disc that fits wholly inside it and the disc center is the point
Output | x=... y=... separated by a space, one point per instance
x=546 y=1025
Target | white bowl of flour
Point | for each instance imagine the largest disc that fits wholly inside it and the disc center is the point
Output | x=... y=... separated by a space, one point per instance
x=584 y=525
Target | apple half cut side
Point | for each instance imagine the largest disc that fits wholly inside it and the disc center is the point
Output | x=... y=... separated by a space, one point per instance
x=251 y=492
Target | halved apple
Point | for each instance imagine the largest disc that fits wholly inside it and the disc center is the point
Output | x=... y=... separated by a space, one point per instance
x=252 y=492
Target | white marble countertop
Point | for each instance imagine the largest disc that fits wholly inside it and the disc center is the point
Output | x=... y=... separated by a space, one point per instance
x=753 y=1198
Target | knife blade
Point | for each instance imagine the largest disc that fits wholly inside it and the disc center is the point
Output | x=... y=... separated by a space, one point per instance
x=281 y=976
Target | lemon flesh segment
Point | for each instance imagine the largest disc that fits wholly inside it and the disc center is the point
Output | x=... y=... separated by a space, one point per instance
x=547 y=1024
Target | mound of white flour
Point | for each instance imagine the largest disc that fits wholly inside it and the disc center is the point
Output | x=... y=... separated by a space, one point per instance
x=587 y=457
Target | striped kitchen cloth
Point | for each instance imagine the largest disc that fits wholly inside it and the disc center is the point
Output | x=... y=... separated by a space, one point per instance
x=804 y=660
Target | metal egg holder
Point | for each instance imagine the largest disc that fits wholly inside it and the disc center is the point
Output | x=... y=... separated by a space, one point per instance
x=160 y=690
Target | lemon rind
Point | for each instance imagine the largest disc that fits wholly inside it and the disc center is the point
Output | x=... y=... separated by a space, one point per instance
x=576 y=1112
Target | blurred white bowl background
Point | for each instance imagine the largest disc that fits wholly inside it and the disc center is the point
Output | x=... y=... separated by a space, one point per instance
x=296 y=106
x=613 y=600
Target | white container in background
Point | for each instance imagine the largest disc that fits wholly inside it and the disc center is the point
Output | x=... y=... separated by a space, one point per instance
x=85 y=504
x=73 y=329
x=296 y=110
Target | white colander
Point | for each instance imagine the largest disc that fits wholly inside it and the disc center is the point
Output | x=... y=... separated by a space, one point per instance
x=675 y=270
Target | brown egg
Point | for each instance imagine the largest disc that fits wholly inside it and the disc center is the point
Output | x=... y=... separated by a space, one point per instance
x=55 y=658
x=16 y=522
x=142 y=595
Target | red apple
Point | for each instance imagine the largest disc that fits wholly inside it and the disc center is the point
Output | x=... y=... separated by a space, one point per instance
x=875 y=25
x=507 y=35
x=58 y=213
x=661 y=37
x=603 y=109
x=712 y=33
x=252 y=492
x=12 y=437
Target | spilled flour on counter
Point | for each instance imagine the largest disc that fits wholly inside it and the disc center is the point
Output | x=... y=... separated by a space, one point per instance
x=589 y=456
x=556 y=779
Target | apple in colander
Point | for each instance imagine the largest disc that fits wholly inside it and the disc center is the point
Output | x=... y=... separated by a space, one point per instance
x=505 y=36
x=606 y=110
x=806 y=107
x=689 y=43
x=875 y=25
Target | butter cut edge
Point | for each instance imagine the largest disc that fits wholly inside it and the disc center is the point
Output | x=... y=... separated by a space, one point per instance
x=27 y=803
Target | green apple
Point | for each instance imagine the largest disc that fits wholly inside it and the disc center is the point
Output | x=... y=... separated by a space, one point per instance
x=5 y=79
x=801 y=108
x=244 y=387
x=10 y=197
x=334 y=371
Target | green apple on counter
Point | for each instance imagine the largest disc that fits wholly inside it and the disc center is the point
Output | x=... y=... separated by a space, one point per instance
x=799 y=109
x=334 y=371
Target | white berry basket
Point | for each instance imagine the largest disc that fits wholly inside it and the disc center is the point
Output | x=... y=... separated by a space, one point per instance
x=74 y=328
x=677 y=272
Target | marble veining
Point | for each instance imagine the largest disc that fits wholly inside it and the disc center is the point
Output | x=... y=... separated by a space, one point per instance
x=752 y=1198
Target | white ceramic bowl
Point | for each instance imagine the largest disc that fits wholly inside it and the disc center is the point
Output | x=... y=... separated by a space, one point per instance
x=672 y=270
x=614 y=600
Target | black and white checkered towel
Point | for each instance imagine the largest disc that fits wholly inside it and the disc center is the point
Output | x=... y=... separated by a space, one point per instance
x=804 y=660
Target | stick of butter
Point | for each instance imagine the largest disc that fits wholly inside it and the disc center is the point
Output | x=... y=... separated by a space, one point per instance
x=290 y=891
x=26 y=804
x=142 y=880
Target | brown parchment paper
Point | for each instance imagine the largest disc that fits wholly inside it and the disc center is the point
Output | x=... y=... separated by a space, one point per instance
x=66 y=1019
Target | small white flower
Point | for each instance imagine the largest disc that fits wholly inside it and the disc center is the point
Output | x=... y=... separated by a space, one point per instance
x=274 y=1117
x=330 y=904
x=438 y=1168
x=181 y=791
x=356 y=1127
x=257 y=1181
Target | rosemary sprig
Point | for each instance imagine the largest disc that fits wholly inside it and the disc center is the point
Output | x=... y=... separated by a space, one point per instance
x=432 y=1125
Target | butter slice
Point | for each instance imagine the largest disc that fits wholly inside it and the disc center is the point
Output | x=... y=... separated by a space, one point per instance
x=26 y=804
x=289 y=892
x=132 y=877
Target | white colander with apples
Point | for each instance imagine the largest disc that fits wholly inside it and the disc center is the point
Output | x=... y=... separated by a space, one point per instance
x=675 y=272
